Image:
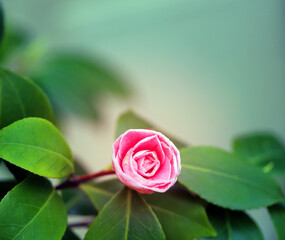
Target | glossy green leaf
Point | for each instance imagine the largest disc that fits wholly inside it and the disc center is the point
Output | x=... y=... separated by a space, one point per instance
x=225 y=180
x=277 y=214
x=100 y=193
x=21 y=98
x=34 y=144
x=233 y=225
x=129 y=120
x=264 y=150
x=126 y=216
x=74 y=82
x=181 y=216
x=32 y=210
x=69 y=235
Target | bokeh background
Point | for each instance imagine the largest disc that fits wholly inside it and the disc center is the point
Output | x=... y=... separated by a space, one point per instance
x=203 y=70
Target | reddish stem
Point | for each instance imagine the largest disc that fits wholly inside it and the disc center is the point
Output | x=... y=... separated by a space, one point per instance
x=85 y=223
x=76 y=180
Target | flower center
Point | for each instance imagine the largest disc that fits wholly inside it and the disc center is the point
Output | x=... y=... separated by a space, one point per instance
x=147 y=163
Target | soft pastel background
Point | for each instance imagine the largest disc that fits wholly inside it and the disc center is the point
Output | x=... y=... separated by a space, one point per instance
x=204 y=70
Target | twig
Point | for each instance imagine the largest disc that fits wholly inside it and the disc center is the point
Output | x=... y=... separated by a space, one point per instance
x=76 y=180
x=85 y=223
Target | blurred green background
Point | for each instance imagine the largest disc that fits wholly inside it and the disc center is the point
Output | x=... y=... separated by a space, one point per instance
x=203 y=70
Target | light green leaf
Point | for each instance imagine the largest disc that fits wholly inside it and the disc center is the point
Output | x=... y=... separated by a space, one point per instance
x=225 y=180
x=264 y=150
x=100 y=193
x=126 y=216
x=233 y=225
x=129 y=120
x=32 y=210
x=21 y=98
x=277 y=214
x=34 y=144
x=74 y=82
x=181 y=215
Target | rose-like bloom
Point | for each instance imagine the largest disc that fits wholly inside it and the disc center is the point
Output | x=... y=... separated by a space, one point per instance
x=146 y=160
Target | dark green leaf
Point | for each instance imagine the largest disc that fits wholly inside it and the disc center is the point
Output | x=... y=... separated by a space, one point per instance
x=100 y=193
x=21 y=98
x=69 y=235
x=32 y=210
x=126 y=216
x=75 y=82
x=225 y=180
x=34 y=144
x=233 y=225
x=264 y=150
x=129 y=120
x=277 y=214
x=181 y=215
x=77 y=203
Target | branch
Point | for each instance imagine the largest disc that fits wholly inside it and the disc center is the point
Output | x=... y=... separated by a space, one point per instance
x=76 y=180
x=85 y=223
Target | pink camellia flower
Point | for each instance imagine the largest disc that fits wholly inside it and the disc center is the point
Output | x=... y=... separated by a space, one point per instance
x=146 y=161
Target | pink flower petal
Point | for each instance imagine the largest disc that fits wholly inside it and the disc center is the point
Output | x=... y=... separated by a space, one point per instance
x=146 y=161
x=130 y=139
x=151 y=143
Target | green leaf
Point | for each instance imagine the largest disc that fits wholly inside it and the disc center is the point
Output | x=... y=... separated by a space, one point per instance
x=233 y=225
x=225 y=180
x=74 y=82
x=77 y=203
x=264 y=150
x=100 y=193
x=181 y=215
x=125 y=216
x=69 y=235
x=34 y=144
x=21 y=98
x=277 y=214
x=129 y=120
x=32 y=210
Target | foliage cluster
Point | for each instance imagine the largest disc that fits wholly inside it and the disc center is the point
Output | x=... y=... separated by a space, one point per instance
x=215 y=187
